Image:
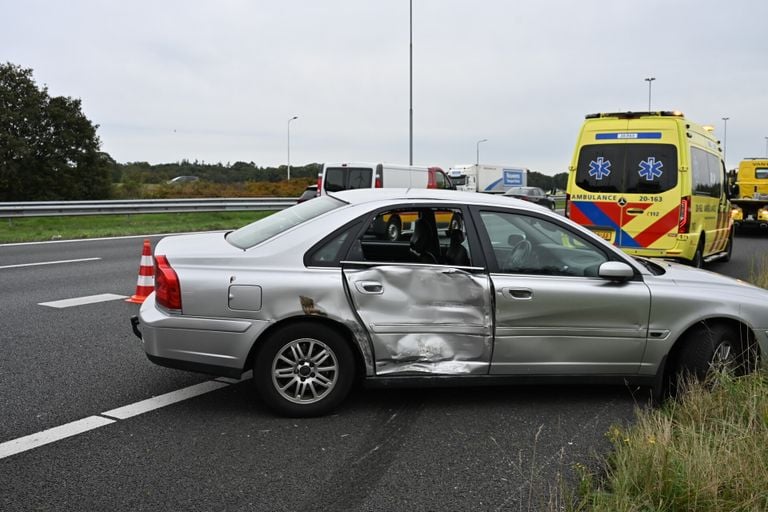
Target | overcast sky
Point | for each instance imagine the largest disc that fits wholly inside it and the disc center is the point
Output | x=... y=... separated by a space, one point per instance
x=219 y=80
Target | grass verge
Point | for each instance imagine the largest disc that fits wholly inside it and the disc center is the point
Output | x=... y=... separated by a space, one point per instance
x=34 y=229
x=705 y=452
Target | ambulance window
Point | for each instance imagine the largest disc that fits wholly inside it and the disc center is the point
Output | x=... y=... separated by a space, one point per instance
x=627 y=168
x=706 y=173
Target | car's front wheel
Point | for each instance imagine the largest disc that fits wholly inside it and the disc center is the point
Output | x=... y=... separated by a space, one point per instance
x=304 y=369
x=718 y=347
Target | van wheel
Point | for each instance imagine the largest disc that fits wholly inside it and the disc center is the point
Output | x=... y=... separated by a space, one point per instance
x=394 y=228
x=305 y=369
x=698 y=256
x=729 y=248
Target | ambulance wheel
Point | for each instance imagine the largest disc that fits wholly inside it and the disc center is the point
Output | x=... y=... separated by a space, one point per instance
x=698 y=256
x=728 y=248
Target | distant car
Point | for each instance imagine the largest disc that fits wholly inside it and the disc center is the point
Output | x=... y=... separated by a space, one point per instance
x=182 y=179
x=317 y=295
x=309 y=193
x=532 y=194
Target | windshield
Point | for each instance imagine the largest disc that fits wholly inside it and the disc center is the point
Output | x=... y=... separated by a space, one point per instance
x=459 y=181
x=627 y=168
x=264 y=229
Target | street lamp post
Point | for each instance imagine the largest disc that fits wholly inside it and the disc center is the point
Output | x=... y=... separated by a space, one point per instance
x=649 y=80
x=725 y=139
x=289 y=145
x=410 y=85
x=478 y=150
x=766 y=147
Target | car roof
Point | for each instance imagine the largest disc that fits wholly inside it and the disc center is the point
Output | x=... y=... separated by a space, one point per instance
x=367 y=195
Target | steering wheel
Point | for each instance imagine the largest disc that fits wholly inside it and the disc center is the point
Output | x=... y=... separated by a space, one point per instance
x=519 y=255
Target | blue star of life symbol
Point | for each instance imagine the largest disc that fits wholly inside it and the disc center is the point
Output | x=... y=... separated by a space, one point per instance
x=650 y=169
x=599 y=168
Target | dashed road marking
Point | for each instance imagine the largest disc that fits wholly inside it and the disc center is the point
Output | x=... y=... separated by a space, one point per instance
x=74 y=428
x=150 y=404
x=79 y=301
x=52 y=435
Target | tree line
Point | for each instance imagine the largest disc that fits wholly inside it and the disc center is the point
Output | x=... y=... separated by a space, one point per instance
x=49 y=151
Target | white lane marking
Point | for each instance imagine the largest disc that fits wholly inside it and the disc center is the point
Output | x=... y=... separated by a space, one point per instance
x=74 y=428
x=79 y=301
x=48 y=263
x=150 y=404
x=51 y=435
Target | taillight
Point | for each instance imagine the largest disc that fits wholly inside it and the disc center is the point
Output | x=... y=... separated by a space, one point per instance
x=319 y=184
x=167 y=289
x=568 y=206
x=684 y=223
x=377 y=183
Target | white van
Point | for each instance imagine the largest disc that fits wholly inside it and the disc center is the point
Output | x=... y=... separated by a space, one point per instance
x=345 y=176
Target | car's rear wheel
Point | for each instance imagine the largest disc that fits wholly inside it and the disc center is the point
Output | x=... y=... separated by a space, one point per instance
x=720 y=347
x=304 y=369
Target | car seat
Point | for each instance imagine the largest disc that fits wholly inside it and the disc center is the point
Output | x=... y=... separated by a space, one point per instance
x=457 y=254
x=421 y=242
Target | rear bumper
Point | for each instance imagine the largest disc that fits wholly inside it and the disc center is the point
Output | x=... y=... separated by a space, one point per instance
x=209 y=345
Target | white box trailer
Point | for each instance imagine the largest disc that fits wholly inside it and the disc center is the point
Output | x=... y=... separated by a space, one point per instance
x=492 y=179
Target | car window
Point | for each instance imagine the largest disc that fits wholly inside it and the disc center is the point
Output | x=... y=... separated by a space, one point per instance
x=328 y=252
x=524 y=244
x=414 y=235
x=264 y=229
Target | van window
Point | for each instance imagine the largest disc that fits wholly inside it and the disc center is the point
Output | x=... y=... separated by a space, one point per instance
x=761 y=173
x=627 y=168
x=707 y=173
x=345 y=178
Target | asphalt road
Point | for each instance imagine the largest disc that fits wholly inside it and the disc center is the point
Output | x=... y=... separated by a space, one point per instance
x=437 y=449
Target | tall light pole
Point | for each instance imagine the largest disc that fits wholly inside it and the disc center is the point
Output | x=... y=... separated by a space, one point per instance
x=766 y=147
x=289 y=145
x=725 y=139
x=649 y=80
x=478 y=150
x=410 y=85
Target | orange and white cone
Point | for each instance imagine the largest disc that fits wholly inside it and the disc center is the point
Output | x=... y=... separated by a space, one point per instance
x=146 y=282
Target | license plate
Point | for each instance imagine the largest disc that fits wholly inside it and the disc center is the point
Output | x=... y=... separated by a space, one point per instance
x=605 y=234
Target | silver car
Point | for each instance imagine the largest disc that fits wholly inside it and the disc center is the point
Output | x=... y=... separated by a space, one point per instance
x=478 y=289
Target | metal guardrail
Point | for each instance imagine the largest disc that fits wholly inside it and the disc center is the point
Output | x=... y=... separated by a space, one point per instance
x=109 y=207
x=63 y=208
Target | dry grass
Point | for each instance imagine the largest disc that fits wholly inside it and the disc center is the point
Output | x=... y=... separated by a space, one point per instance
x=706 y=451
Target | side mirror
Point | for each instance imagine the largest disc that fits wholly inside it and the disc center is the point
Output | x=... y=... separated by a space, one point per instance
x=616 y=271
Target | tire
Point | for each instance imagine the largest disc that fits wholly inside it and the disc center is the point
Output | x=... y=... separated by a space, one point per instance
x=698 y=256
x=729 y=247
x=719 y=347
x=394 y=228
x=303 y=370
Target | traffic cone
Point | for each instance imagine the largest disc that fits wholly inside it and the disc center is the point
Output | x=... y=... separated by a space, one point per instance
x=146 y=282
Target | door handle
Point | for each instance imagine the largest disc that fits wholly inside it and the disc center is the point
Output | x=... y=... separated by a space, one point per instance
x=369 y=287
x=517 y=293
x=635 y=211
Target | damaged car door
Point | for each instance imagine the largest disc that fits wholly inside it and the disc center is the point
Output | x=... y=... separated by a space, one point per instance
x=423 y=317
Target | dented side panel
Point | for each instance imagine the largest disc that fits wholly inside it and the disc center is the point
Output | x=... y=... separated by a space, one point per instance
x=424 y=319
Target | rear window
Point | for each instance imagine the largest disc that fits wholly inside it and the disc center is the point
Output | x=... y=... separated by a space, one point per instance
x=627 y=168
x=264 y=229
x=761 y=173
x=345 y=178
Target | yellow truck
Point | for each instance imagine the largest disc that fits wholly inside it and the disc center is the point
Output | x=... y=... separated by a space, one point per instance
x=750 y=198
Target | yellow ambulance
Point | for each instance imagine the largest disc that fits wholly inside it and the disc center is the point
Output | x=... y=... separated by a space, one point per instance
x=653 y=184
